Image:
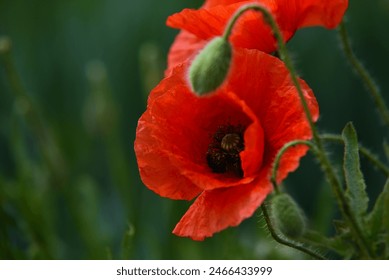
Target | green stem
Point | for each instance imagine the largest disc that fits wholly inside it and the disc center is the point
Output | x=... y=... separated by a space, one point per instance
x=279 y=155
x=282 y=50
x=321 y=154
x=285 y=241
x=50 y=151
x=363 y=74
x=364 y=151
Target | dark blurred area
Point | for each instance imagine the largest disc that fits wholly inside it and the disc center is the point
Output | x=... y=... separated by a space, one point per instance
x=69 y=183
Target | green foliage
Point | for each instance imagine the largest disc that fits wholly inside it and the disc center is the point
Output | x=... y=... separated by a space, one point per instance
x=378 y=223
x=355 y=183
x=334 y=244
x=127 y=243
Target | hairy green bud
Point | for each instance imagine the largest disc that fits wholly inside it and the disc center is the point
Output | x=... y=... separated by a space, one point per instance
x=210 y=67
x=287 y=215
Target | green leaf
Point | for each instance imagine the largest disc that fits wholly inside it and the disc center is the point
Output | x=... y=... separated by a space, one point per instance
x=378 y=218
x=380 y=213
x=356 y=187
x=342 y=245
x=339 y=244
x=127 y=243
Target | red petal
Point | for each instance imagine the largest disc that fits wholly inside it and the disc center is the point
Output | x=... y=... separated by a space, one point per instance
x=177 y=128
x=304 y=13
x=271 y=94
x=251 y=31
x=211 y=3
x=157 y=172
x=218 y=209
x=174 y=133
x=185 y=46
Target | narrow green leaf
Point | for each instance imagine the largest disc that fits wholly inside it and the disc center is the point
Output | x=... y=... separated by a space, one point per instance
x=109 y=255
x=385 y=235
x=356 y=187
x=339 y=244
x=342 y=246
x=127 y=243
x=378 y=220
x=385 y=219
x=380 y=213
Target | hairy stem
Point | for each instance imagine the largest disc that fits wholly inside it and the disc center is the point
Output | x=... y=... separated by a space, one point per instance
x=279 y=155
x=321 y=154
x=363 y=74
x=285 y=241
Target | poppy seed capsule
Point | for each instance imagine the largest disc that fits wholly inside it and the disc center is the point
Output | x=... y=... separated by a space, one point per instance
x=287 y=215
x=232 y=143
x=210 y=67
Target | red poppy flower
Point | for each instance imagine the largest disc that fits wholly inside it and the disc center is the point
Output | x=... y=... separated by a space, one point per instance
x=219 y=149
x=199 y=26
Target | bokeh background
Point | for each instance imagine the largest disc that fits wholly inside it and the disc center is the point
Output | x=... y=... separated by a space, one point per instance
x=69 y=184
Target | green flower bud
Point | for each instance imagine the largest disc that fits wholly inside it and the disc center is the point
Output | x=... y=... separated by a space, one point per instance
x=287 y=215
x=210 y=67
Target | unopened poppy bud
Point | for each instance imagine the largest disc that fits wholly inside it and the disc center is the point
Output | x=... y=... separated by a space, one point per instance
x=210 y=67
x=288 y=216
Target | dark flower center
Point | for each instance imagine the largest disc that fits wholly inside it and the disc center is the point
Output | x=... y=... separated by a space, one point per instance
x=223 y=151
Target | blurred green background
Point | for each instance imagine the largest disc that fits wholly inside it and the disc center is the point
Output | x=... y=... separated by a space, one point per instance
x=69 y=184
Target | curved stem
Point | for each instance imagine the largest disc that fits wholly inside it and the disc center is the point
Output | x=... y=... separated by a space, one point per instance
x=364 y=151
x=321 y=154
x=269 y=19
x=279 y=155
x=285 y=241
x=326 y=165
x=363 y=74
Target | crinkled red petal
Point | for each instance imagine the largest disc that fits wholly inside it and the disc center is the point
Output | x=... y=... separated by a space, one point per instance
x=186 y=45
x=174 y=133
x=178 y=127
x=304 y=13
x=251 y=31
x=218 y=209
x=264 y=83
x=211 y=3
